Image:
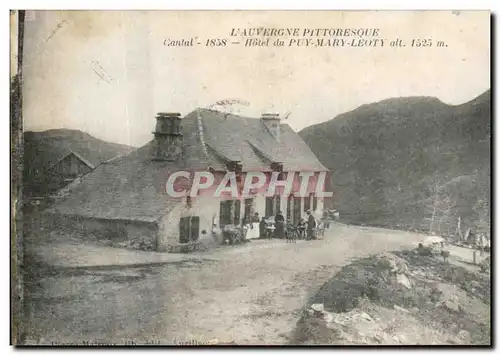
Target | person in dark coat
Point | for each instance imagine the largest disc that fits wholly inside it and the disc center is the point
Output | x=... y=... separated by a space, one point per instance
x=311 y=225
x=302 y=226
x=262 y=228
x=280 y=225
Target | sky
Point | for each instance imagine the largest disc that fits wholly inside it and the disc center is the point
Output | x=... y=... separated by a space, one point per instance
x=108 y=72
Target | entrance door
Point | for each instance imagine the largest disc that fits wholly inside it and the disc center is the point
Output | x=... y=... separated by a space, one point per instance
x=289 y=209
x=237 y=212
x=296 y=209
x=269 y=206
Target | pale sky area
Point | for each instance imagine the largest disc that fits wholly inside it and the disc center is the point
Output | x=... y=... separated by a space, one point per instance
x=108 y=73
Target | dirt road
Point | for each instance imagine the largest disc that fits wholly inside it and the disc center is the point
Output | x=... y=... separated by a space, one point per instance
x=250 y=294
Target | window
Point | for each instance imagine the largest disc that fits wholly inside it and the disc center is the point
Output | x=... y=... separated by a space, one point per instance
x=307 y=203
x=235 y=166
x=225 y=212
x=230 y=212
x=275 y=166
x=315 y=203
x=237 y=212
x=248 y=209
x=189 y=229
x=272 y=205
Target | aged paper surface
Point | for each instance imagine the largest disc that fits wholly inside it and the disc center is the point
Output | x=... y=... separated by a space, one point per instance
x=251 y=177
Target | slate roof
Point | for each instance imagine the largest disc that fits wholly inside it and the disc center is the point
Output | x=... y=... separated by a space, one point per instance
x=133 y=187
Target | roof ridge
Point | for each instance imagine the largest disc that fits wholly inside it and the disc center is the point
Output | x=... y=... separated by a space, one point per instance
x=201 y=134
x=226 y=113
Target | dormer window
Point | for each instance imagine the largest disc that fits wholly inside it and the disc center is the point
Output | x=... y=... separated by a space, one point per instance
x=279 y=168
x=272 y=122
x=235 y=166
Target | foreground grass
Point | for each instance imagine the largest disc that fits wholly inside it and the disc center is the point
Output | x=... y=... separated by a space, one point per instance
x=445 y=304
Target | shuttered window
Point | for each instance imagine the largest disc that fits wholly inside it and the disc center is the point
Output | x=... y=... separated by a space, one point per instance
x=225 y=212
x=189 y=229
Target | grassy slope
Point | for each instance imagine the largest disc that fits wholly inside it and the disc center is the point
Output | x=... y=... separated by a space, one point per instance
x=386 y=157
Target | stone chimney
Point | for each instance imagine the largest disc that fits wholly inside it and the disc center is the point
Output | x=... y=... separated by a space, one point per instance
x=168 y=137
x=272 y=122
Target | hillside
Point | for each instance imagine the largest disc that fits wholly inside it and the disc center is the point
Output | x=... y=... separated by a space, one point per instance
x=400 y=298
x=389 y=158
x=42 y=149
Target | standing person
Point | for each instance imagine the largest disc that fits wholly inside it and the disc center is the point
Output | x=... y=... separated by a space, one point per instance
x=302 y=228
x=254 y=228
x=326 y=219
x=262 y=228
x=280 y=224
x=311 y=224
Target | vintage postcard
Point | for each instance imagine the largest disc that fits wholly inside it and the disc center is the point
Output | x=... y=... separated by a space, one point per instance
x=247 y=178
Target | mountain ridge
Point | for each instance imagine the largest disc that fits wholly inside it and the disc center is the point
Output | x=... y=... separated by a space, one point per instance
x=386 y=155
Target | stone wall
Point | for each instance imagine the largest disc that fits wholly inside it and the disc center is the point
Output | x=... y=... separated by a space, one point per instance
x=109 y=232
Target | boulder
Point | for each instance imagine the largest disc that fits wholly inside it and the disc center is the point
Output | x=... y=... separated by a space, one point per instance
x=318 y=307
x=392 y=263
x=485 y=264
x=402 y=279
x=452 y=303
x=328 y=317
x=464 y=336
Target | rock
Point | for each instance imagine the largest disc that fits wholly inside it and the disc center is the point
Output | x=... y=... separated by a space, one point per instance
x=332 y=325
x=107 y=243
x=318 y=307
x=452 y=303
x=464 y=335
x=485 y=264
x=396 y=307
x=328 y=317
x=392 y=262
x=402 y=339
x=403 y=280
x=365 y=316
x=396 y=339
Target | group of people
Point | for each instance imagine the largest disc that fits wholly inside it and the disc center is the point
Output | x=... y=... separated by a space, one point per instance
x=279 y=230
x=255 y=227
